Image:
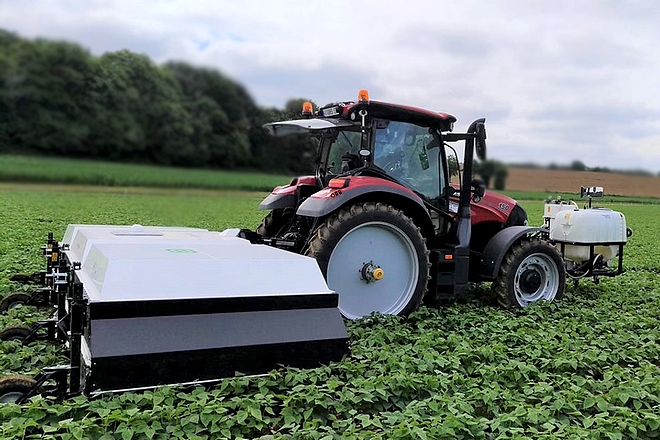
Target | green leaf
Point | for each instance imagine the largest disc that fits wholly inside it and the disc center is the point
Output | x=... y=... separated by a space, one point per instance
x=256 y=413
x=588 y=402
x=207 y=418
x=78 y=433
x=127 y=434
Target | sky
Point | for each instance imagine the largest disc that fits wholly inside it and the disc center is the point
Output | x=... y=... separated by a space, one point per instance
x=557 y=81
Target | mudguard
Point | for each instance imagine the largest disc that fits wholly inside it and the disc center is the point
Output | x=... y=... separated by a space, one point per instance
x=497 y=247
x=286 y=196
x=367 y=188
x=493 y=208
x=329 y=199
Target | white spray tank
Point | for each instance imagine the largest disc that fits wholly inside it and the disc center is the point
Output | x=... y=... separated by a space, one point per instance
x=581 y=229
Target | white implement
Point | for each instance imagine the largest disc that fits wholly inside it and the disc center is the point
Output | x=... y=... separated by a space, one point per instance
x=148 y=306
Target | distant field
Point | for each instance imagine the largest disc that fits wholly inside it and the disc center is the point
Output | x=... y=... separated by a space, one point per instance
x=562 y=181
x=522 y=183
x=87 y=172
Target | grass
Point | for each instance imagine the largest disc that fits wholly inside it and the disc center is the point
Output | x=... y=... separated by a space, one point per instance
x=30 y=169
x=87 y=172
x=583 y=367
x=607 y=199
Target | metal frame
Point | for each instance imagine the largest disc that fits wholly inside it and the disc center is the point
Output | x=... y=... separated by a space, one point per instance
x=592 y=271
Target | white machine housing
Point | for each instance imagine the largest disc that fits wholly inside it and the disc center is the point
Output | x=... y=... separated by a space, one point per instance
x=147 y=306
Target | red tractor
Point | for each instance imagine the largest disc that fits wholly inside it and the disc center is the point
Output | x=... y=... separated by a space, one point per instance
x=384 y=222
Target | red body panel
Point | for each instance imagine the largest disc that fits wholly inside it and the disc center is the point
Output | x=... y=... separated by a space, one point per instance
x=358 y=182
x=493 y=207
x=289 y=189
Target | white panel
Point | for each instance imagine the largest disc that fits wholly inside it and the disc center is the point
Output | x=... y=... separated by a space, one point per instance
x=81 y=237
x=217 y=267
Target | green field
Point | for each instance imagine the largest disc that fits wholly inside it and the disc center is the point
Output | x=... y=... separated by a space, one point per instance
x=584 y=367
x=87 y=172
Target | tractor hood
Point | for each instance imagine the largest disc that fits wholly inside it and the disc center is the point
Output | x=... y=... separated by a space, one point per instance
x=302 y=126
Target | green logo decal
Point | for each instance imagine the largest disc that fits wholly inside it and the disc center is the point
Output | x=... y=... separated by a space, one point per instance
x=181 y=251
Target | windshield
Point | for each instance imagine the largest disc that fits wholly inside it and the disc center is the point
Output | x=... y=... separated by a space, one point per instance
x=410 y=154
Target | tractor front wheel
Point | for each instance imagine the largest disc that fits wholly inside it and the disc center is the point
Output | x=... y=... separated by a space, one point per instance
x=374 y=257
x=275 y=222
x=532 y=270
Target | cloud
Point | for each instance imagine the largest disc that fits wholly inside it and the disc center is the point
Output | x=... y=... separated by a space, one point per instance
x=557 y=81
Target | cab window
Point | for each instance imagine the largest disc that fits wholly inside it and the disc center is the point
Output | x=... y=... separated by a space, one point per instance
x=411 y=154
x=345 y=144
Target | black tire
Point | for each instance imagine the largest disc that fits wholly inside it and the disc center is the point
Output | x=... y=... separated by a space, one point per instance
x=274 y=223
x=532 y=270
x=21 y=278
x=363 y=239
x=12 y=300
x=17 y=333
x=14 y=388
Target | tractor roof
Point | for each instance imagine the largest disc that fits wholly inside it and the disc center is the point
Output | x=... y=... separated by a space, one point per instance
x=404 y=113
x=345 y=114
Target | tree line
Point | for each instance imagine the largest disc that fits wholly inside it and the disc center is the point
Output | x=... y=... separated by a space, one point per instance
x=57 y=99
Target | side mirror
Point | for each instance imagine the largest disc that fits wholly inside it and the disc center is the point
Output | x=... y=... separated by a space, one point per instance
x=479 y=190
x=480 y=140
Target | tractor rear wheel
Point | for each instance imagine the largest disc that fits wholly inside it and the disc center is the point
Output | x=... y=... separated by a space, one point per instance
x=14 y=388
x=532 y=270
x=374 y=257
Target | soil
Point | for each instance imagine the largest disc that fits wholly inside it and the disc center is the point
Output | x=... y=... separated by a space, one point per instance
x=553 y=181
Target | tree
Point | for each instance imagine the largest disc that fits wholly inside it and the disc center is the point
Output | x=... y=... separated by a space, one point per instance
x=140 y=113
x=57 y=99
x=501 y=173
x=577 y=165
x=492 y=169
x=292 y=153
x=222 y=112
x=44 y=96
x=454 y=166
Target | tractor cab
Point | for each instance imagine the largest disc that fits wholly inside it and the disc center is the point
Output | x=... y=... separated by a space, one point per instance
x=384 y=142
x=396 y=150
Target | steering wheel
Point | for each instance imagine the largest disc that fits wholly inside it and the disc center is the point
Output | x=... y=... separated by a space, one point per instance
x=349 y=162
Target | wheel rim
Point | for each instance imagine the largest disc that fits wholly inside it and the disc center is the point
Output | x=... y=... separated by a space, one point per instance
x=537 y=278
x=14 y=304
x=11 y=397
x=384 y=246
